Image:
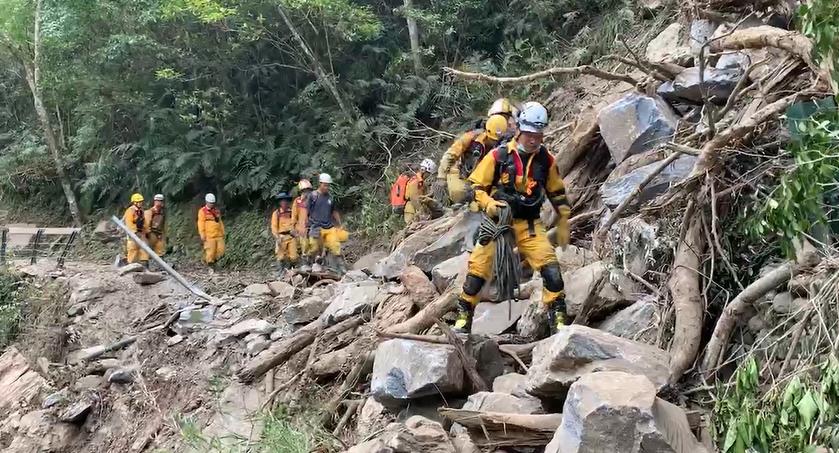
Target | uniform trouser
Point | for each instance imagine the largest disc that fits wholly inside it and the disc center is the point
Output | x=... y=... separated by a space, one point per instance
x=157 y=243
x=328 y=239
x=213 y=249
x=286 y=248
x=458 y=189
x=409 y=216
x=534 y=247
x=303 y=245
x=133 y=252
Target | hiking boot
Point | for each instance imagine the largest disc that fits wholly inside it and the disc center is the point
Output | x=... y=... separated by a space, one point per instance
x=556 y=317
x=463 y=323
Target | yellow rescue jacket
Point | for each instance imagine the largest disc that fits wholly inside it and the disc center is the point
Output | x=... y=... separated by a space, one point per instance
x=465 y=153
x=135 y=219
x=300 y=214
x=281 y=222
x=413 y=191
x=210 y=225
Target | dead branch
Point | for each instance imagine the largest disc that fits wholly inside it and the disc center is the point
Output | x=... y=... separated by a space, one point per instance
x=684 y=288
x=97 y=351
x=768 y=36
x=268 y=401
x=430 y=313
x=577 y=70
x=413 y=337
x=362 y=367
x=515 y=357
x=468 y=362
x=739 y=89
x=523 y=351
x=352 y=406
x=796 y=337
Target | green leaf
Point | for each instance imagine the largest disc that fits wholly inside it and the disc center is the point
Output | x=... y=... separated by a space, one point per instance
x=807 y=409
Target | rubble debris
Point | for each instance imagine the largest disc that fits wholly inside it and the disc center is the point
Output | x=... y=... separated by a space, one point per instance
x=636 y=123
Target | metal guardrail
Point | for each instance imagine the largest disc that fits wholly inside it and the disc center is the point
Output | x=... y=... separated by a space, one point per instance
x=36 y=237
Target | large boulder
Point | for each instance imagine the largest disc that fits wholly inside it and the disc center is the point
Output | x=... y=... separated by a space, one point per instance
x=350 y=299
x=572 y=257
x=636 y=123
x=615 y=192
x=619 y=412
x=306 y=310
x=666 y=48
x=716 y=84
x=504 y=403
x=443 y=274
x=368 y=261
x=581 y=284
x=577 y=350
x=489 y=361
x=406 y=369
x=19 y=383
x=636 y=322
x=512 y=383
x=493 y=318
x=450 y=244
x=418 y=434
x=401 y=256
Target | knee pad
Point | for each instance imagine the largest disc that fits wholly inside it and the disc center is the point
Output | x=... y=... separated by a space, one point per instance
x=552 y=278
x=472 y=285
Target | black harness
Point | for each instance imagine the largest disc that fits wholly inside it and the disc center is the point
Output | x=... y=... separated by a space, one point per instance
x=472 y=156
x=523 y=205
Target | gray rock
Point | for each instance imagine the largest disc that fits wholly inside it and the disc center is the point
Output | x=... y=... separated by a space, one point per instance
x=449 y=245
x=390 y=267
x=488 y=358
x=106 y=231
x=782 y=303
x=166 y=373
x=121 y=375
x=512 y=383
x=76 y=413
x=636 y=123
x=581 y=284
x=304 y=311
x=405 y=369
x=636 y=322
x=417 y=434
x=258 y=345
x=666 y=48
x=368 y=261
x=281 y=290
x=148 y=278
x=634 y=242
x=718 y=84
x=129 y=268
x=54 y=399
x=349 y=300
x=493 y=318
x=701 y=31
x=445 y=273
x=619 y=412
x=256 y=290
x=756 y=323
x=88 y=383
x=615 y=192
x=194 y=319
x=373 y=417
x=577 y=350
x=242 y=328
x=76 y=309
x=504 y=403
x=172 y=341
x=354 y=277
x=573 y=257
x=89 y=289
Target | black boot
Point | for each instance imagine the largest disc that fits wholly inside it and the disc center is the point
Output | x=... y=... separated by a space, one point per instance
x=463 y=323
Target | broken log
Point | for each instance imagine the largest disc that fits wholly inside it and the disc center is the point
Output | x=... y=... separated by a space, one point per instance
x=97 y=351
x=687 y=301
x=430 y=313
x=363 y=366
x=500 y=429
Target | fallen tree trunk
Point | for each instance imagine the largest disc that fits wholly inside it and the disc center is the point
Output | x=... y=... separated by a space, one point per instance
x=768 y=36
x=501 y=429
x=687 y=303
x=281 y=351
x=576 y=70
x=430 y=313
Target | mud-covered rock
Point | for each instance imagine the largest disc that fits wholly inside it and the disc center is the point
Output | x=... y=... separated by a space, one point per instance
x=88 y=289
x=256 y=290
x=401 y=256
x=148 y=278
x=636 y=322
x=666 y=46
x=450 y=244
x=636 y=123
x=19 y=383
x=717 y=84
x=405 y=369
x=512 y=383
x=701 y=30
x=130 y=268
x=581 y=284
x=194 y=319
x=304 y=311
x=577 y=350
x=281 y=290
x=615 y=192
x=242 y=328
x=368 y=261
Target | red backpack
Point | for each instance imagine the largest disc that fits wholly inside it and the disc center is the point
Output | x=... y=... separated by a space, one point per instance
x=397 y=191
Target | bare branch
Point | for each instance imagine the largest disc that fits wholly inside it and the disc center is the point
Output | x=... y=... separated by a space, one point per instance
x=577 y=70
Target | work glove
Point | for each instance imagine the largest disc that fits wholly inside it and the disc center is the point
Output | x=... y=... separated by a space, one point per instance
x=493 y=206
x=563 y=232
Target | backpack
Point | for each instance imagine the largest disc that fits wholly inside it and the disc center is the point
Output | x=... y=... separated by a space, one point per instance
x=397 y=191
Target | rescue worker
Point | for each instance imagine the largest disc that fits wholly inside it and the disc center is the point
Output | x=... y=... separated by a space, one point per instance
x=135 y=219
x=417 y=202
x=211 y=231
x=282 y=227
x=464 y=154
x=156 y=224
x=505 y=108
x=324 y=236
x=300 y=219
x=520 y=175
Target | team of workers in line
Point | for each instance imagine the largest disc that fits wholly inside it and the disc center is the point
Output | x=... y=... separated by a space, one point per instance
x=502 y=165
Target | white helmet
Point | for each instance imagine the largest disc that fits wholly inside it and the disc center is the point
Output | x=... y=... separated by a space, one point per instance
x=501 y=106
x=210 y=198
x=304 y=184
x=158 y=197
x=533 y=118
x=428 y=166
x=324 y=178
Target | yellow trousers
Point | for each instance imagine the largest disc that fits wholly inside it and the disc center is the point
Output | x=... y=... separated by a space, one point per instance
x=286 y=248
x=328 y=239
x=157 y=243
x=303 y=245
x=213 y=249
x=458 y=190
x=133 y=252
x=533 y=247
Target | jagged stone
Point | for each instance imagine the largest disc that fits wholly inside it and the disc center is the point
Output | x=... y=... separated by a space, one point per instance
x=304 y=311
x=489 y=361
x=493 y=318
x=354 y=276
x=450 y=244
x=130 y=268
x=54 y=399
x=417 y=434
x=533 y=323
x=615 y=192
x=37 y=431
x=148 y=278
x=717 y=84
x=619 y=412
x=405 y=369
x=701 y=31
x=666 y=48
x=581 y=284
x=281 y=290
x=512 y=383
x=401 y=256
x=373 y=417
x=349 y=300
x=573 y=257
x=633 y=241
x=89 y=289
x=443 y=274
x=504 y=403
x=76 y=309
x=257 y=345
x=636 y=123
x=76 y=413
x=368 y=261
x=194 y=319
x=121 y=375
x=256 y=290
x=636 y=322
x=88 y=383
x=577 y=350
x=166 y=373
x=242 y=328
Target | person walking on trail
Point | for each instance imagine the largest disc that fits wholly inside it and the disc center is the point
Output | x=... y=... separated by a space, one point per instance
x=300 y=220
x=325 y=234
x=282 y=227
x=135 y=219
x=516 y=178
x=462 y=157
x=211 y=231
x=418 y=205
x=155 y=218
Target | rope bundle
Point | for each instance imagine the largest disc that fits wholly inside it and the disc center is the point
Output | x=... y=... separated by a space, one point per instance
x=504 y=265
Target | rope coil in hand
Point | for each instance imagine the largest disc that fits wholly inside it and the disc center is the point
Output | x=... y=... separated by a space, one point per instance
x=505 y=264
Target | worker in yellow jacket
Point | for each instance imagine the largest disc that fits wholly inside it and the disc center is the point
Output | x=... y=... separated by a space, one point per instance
x=211 y=230
x=464 y=154
x=520 y=176
x=282 y=227
x=417 y=203
x=156 y=225
x=135 y=219
x=300 y=219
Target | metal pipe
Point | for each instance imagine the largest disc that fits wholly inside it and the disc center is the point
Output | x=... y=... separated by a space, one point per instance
x=166 y=267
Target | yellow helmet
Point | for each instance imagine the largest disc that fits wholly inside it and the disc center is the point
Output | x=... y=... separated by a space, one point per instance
x=136 y=198
x=501 y=106
x=496 y=126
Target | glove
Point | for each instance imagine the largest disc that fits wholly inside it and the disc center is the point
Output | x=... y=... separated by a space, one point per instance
x=493 y=206
x=563 y=232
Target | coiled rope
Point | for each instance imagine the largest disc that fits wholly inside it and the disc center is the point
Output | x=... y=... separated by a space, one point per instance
x=504 y=264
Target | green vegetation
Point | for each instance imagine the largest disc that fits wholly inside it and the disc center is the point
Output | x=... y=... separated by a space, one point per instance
x=10 y=308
